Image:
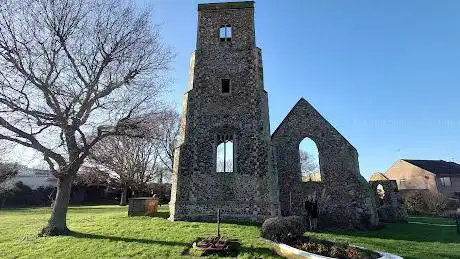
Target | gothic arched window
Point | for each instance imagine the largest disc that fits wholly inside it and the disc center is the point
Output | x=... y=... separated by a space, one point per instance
x=224 y=154
x=309 y=161
x=380 y=191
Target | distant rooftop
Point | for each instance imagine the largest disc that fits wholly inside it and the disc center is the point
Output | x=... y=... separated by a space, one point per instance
x=226 y=5
x=378 y=177
x=436 y=166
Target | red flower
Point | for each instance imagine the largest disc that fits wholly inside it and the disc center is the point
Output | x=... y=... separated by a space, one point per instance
x=352 y=253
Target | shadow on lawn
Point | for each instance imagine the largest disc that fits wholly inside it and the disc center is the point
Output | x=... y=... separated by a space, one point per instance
x=242 y=223
x=165 y=215
x=257 y=252
x=86 y=209
x=126 y=239
x=162 y=214
x=408 y=232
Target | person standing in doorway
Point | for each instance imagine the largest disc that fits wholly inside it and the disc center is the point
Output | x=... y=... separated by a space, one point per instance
x=311 y=205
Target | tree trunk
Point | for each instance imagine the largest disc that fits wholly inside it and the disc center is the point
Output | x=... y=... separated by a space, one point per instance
x=124 y=194
x=57 y=223
x=160 y=178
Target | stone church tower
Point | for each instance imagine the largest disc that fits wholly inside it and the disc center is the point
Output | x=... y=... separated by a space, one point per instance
x=225 y=159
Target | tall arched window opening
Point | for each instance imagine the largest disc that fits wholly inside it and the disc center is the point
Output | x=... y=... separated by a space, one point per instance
x=224 y=154
x=380 y=191
x=309 y=161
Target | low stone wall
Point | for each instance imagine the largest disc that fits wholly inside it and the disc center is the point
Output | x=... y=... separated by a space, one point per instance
x=143 y=206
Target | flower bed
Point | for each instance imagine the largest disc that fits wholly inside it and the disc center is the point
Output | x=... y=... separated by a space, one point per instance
x=306 y=247
x=331 y=249
x=215 y=245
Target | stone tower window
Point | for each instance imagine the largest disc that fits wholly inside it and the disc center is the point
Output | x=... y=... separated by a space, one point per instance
x=225 y=85
x=225 y=33
x=224 y=154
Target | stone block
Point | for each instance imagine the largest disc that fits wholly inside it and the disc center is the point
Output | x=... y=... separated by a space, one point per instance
x=143 y=206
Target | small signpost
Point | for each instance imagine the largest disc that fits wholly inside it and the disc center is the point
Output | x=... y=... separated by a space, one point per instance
x=217 y=244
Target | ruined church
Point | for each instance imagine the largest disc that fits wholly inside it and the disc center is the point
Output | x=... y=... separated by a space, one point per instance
x=227 y=158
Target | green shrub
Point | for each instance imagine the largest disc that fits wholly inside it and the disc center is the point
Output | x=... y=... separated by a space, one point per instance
x=23 y=195
x=425 y=202
x=282 y=229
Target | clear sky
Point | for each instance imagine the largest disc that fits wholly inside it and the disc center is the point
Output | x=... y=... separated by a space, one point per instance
x=386 y=74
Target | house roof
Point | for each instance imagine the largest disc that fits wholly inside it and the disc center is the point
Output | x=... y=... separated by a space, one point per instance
x=379 y=177
x=436 y=166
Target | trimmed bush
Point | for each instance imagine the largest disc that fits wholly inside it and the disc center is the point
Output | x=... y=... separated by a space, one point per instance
x=424 y=202
x=282 y=229
x=23 y=195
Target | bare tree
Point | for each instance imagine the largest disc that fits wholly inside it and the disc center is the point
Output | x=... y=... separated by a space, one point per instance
x=166 y=144
x=7 y=171
x=135 y=161
x=309 y=167
x=90 y=175
x=73 y=72
x=128 y=160
x=307 y=162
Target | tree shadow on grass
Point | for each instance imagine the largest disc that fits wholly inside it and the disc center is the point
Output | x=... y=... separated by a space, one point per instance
x=87 y=209
x=126 y=239
x=242 y=223
x=158 y=214
x=257 y=252
x=226 y=221
x=39 y=209
x=407 y=232
x=162 y=214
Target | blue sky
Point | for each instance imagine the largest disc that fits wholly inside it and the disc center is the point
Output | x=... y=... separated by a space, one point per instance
x=386 y=74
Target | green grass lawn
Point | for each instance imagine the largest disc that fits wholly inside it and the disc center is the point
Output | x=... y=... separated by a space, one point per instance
x=422 y=237
x=107 y=232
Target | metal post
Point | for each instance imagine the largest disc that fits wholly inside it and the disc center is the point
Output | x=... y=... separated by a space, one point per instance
x=218 y=222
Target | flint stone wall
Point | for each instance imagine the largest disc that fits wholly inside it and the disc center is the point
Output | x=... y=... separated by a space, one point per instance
x=351 y=202
x=250 y=192
x=391 y=208
x=257 y=188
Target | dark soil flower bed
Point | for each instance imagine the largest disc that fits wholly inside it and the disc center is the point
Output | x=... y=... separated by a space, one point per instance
x=331 y=249
x=213 y=246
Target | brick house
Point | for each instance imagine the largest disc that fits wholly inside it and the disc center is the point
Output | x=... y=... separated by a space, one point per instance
x=435 y=175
